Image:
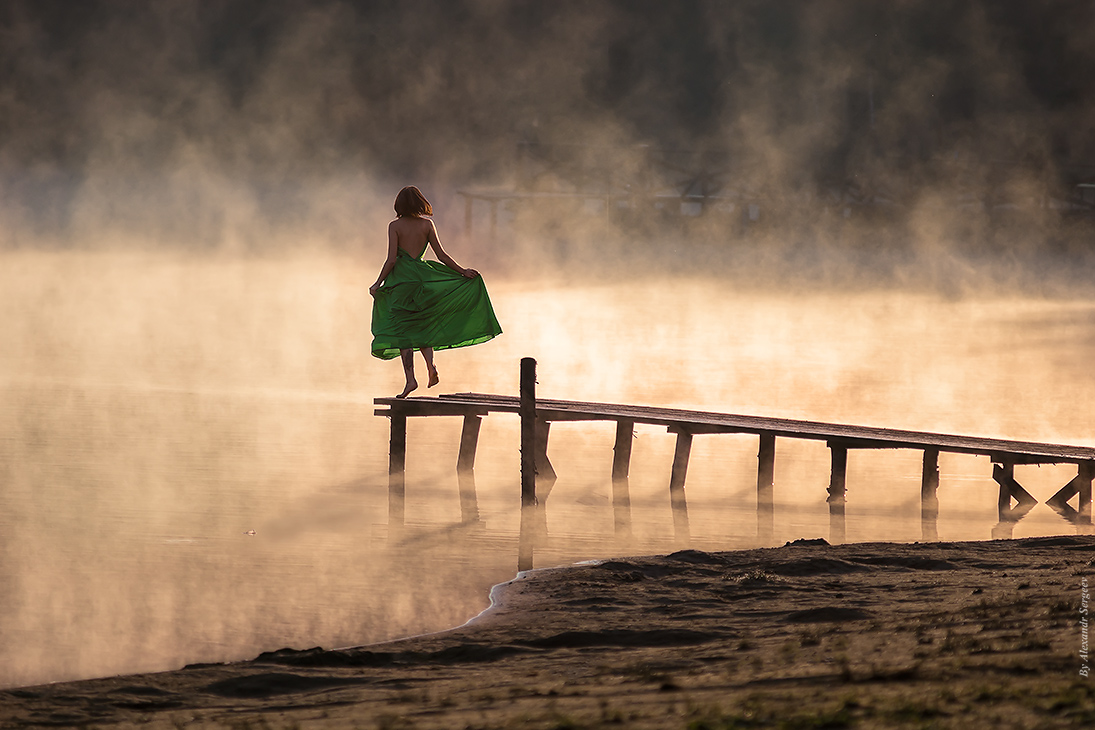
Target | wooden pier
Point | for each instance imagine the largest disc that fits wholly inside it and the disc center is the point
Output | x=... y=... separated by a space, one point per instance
x=537 y=474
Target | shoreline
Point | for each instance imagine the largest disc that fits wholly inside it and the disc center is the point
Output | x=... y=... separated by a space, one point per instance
x=861 y=634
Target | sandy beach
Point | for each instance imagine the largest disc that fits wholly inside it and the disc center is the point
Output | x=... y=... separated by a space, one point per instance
x=972 y=634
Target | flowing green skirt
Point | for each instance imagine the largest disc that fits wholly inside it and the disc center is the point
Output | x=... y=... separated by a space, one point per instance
x=427 y=304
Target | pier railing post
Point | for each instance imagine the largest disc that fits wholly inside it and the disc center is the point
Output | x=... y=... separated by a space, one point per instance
x=766 y=473
x=527 y=411
x=929 y=500
x=837 y=493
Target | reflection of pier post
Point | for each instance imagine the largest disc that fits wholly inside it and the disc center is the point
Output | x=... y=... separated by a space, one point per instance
x=465 y=469
x=621 y=468
x=527 y=411
x=397 y=465
x=766 y=473
x=837 y=492
x=676 y=487
x=929 y=501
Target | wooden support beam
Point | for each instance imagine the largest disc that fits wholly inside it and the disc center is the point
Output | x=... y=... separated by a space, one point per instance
x=621 y=450
x=545 y=472
x=676 y=488
x=1080 y=487
x=621 y=488
x=397 y=466
x=1004 y=475
x=929 y=500
x=1086 y=475
x=766 y=472
x=837 y=493
x=465 y=469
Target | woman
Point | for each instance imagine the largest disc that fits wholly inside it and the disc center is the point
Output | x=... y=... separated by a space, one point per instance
x=425 y=305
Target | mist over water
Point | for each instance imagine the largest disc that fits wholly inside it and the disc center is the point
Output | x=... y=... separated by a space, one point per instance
x=835 y=211
x=144 y=439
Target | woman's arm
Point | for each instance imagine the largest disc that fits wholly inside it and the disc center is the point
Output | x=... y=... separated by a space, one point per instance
x=389 y=264
x=444 y=257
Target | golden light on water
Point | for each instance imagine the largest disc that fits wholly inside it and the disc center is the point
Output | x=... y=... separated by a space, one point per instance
x=158 y=408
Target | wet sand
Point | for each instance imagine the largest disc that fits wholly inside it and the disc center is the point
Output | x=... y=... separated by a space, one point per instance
x=970 y=634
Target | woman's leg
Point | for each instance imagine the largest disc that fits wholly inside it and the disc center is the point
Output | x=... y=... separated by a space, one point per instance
x=407 y=356
x=427 y=355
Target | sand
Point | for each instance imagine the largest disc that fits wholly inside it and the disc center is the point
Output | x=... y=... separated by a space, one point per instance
x=975 y=634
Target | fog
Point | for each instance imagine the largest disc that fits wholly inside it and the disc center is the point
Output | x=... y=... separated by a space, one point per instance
x=819 y=210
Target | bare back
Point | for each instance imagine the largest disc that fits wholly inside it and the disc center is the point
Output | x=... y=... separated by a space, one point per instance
x=412 y=234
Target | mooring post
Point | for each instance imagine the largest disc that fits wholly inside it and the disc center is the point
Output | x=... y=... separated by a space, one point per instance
x=837 y=493
x=465 y=468
x=526 y=542
x=929 y=501
x=397 y=464
x=621 y=468
x=766 y=476
x=676 y=487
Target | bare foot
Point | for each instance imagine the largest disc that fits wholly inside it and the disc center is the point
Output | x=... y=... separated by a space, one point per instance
x=434 y=378
x=411 y=386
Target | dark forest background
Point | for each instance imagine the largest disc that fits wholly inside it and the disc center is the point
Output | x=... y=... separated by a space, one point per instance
x=906 y=97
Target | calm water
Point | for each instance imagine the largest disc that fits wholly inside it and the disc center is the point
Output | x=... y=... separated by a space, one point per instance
x=154 y=411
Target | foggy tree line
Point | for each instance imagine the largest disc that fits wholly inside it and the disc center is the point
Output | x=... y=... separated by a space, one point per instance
x=798 y=91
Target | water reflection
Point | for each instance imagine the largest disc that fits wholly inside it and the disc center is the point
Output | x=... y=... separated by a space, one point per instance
x=155 y=411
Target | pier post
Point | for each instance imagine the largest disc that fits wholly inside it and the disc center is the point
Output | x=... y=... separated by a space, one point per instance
x=527 y=409
x=621 y=468
x=397 y=465
x=837 y=493
x=465 y=468
x=528 y=431
x=929 y=501
x=766 y=471
x=683 y=450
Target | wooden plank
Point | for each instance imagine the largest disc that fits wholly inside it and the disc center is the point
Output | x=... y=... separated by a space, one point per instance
x=837 y=493
x=766 y=471
x=929 y=500
x=854 y=436
x=676 y=488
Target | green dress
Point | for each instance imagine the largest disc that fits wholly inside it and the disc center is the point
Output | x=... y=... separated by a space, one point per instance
x=427 y=304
